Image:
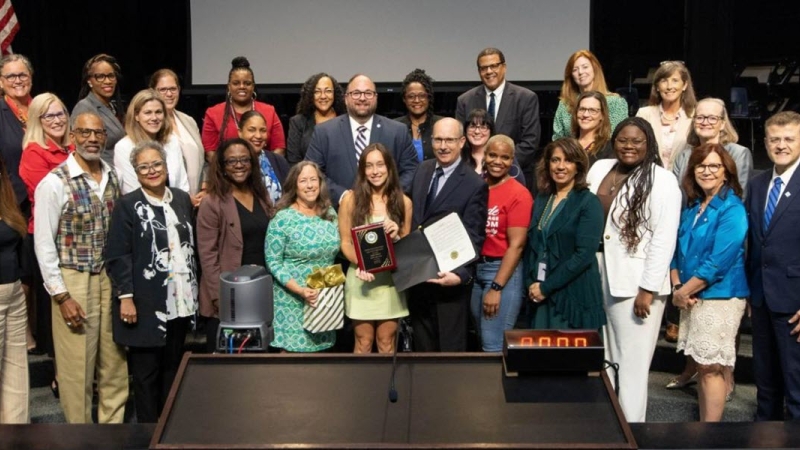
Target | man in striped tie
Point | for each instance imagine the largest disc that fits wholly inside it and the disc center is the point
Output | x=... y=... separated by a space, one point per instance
x=336 y=145
x=773 y=265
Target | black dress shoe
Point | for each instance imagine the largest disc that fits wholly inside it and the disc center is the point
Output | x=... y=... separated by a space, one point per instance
x=54 y=388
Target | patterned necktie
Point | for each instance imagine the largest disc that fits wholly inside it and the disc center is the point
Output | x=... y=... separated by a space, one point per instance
x=434 y=187
x=361 y=141
x=491 y=106
x=774 y=194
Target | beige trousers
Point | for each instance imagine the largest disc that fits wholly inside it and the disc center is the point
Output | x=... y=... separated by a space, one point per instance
x=14 y=386
x=82 y=351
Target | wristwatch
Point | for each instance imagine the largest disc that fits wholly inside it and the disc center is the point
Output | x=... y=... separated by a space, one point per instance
x=676 y=287
x=497 y=287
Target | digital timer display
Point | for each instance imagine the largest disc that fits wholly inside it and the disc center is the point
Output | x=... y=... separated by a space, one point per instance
x=552 y=350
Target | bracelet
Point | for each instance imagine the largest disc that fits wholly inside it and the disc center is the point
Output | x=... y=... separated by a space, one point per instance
x=676 y=287
x=61 y=298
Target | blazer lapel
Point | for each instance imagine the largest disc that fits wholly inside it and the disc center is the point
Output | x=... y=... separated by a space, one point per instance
x=109 y=119
x=348 y=145
x=449 y=186
x=505 y=103
x=231 y=215
x=792 y=190
x=566 y=215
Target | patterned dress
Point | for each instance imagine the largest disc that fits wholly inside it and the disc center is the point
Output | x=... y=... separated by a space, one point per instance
x=296 y=245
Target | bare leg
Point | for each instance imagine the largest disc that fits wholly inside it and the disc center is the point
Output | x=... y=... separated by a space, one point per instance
x=387 y=329
x=711 y=393
x=365 y=335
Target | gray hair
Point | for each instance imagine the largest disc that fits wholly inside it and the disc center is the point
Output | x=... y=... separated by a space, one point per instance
x=148 y=145
x=16 y=57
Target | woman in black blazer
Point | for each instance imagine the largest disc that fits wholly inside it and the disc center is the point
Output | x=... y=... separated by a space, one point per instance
x=321 y=99
x=253 y=129
x=150 y=258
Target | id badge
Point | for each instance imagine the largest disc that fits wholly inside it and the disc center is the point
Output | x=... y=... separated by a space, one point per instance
x=541 y=272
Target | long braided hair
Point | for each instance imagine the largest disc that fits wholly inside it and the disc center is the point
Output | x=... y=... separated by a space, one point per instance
x=640 y=184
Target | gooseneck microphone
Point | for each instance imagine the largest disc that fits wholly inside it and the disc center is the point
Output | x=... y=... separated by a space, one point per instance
x=392 y=389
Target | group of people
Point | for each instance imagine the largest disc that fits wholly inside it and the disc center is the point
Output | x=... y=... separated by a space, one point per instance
x=138 y=213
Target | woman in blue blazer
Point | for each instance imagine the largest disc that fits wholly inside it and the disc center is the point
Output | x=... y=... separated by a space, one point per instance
x=707 y=271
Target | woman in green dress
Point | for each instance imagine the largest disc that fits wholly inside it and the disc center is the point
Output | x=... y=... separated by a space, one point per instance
x=560 y=265
x=371 y=300
x=302 y=237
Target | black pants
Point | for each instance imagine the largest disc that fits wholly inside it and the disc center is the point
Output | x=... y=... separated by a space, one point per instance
x=439 y=317
x=153 y=370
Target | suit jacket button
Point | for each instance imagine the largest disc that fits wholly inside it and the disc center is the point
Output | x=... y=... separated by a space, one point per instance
x=608 y=237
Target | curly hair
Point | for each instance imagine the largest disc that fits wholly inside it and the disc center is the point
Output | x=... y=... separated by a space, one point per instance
x=640 y=185
x=392 y=191
x=603 y=133
x=573 y=152
x=419 y=76
x=86 y=74
x=218 y=183
x=323 y=203
x=306 y=106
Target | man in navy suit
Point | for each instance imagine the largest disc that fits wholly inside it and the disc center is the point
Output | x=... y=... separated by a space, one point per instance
x=514 y=109
x=336 y=144
x=773 y=266
x=439 y=308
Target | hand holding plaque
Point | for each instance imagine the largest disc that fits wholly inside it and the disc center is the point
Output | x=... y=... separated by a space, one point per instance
x=374 y=248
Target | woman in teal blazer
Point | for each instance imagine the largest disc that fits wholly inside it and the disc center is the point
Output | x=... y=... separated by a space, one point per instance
x=560 y=264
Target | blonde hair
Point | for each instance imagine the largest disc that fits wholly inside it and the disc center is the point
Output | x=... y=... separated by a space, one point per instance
x=34 y=132
x=727 y=134
x=132 y=127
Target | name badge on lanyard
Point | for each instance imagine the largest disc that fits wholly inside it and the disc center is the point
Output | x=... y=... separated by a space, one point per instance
x=541 y=272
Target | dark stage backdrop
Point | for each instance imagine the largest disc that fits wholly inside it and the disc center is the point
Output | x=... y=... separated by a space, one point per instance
x=629 y=36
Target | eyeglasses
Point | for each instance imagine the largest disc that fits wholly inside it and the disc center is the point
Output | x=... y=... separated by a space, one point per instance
x=713 y=168
x=104 y=76
x=488 y=67
x=155 y=166
x=481 y=127
x=50 y=118
x=164 y=90
x=233 y=162
x=369 y=95
x=17 y=76
x=448 y=141
x=416 y=97
x=86 y=132
x=589 y=111
x=635 y=142
x=712 y=120
x=319 y=93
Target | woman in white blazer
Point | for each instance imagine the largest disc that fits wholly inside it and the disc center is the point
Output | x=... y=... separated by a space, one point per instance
x=642 y=204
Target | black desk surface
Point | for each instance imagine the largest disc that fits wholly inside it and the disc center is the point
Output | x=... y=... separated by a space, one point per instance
x=338 y=400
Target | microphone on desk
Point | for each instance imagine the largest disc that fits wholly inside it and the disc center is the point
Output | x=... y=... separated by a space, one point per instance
x=392 y=389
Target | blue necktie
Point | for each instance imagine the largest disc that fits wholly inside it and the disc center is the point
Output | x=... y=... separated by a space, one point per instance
x=434 y=187
x=361 y=141
x=774 y=194
x=491 y=106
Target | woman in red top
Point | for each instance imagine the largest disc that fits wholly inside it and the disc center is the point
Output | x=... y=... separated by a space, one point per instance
x=497 y=292
x=241 y=98
x=46 y=143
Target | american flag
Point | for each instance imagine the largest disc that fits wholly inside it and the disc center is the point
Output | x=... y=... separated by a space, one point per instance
x=8 y=26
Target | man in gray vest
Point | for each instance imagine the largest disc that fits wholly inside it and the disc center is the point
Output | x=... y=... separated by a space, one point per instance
x=73 y=205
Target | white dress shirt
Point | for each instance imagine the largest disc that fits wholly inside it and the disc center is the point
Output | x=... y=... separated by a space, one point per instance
x=785 y=177
x=51 y=196
x=129 y=182
x=354 y=128
x=498 y=96
x=447 y=172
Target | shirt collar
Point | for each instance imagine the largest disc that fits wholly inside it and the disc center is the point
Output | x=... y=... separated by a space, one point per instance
x=681 y=113
x=159 y=201
x=76 y=170
x=354 y=125
x=449 y=169
x=787 y=174
x=497 y=92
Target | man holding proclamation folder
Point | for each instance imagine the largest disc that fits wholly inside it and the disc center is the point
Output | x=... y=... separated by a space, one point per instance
x=440 y=307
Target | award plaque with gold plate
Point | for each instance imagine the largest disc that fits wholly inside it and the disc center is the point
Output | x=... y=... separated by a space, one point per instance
x=374 y=248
